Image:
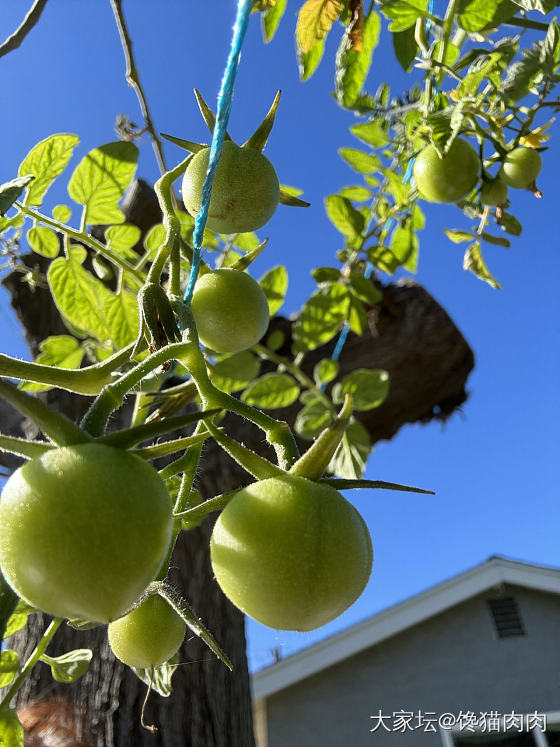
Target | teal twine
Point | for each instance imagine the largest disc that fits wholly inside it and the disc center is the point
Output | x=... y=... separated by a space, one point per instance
x=225 y=97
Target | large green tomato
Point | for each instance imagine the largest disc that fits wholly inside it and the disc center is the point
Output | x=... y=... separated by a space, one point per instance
x=450 y=178
x=245 y=191
x=149 y=635
x=291 y=553
x=521 y=167
x=83 y=530
x=230 y=310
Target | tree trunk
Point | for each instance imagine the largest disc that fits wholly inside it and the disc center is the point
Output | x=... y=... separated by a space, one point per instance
x=428 y=360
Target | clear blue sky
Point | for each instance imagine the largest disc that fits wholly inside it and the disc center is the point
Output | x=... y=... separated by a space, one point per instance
x=493 y=467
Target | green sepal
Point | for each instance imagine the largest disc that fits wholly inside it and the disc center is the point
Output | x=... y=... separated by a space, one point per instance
x=255 y=465
x=260 y=136
x=198 y=513
x=170 y=447
x=22 y=447
x=125 y=439
x=157 y=316
x=342 y=484
x=184 y=144
x=159 y=678
x=287 y=199
x=243 y=262
x=207 y=114
x=316 y=459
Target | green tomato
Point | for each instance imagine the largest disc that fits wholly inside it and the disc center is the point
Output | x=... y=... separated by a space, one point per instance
x=450 y=178
x=521 y=167
x=149 y=635
x=291 y=553
x=83 y=530
x=494 y=193
x=230 y=310
x=245 y=191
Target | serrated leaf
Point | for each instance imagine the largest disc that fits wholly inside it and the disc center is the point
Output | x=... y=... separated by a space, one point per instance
x=405 y=47
x=313 y=418
x=9 y=665
x=79 y=296
x=356 y=193
x=69 y=667
x=12 y=191
x=403 y=13
x=363 y=163
x=11 y=731
x=43 y=240
x=315 y=19
x=369 y=388
x=353 y=64
x=308 y=62
x=61 y=351
x=234 y=372
x=351 y=456
x=474 y=262
x=383 y=258
x=121 y=314
x=159 y=678
x=344 y=216
x=275 y=285
x=271 y=391
x=321 y=318
x=371 y=133
x=271 y=18
x=458 y=236
x=100 y=180
x=122 y=238
x=325 y=371
x=46 y=161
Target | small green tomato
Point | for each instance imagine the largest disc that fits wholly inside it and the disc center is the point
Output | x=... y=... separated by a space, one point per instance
x=245 y=192
x=230 y=310
x=521 y=167
x=450 y=178
x=494 y=193
x=149 y=635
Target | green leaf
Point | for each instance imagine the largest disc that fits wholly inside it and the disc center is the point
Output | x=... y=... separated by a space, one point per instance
x=511 y=224
x=9 y=665
x=325 y=275
x=403 y=13
x=271 y=391
x=544 y=6
x=397 y=187
x=321 y=318
x=43 y=240
x=363 y=163
x=315 y=19
x=457 y=236
x=371 y=133
x=275 y=285
x=474 y=262
x=234 y=372
x=11 y=731
x=405 y=47
x=312 y=419
x=159 y=678
x=79 y=296
x=357 y=193
x=122 y=238
x=352 y=64
x=364 y=289
x=11 y=191
x=271 y=18
x=495 y=240
x=69 y=667
x=100 y=179
x=308 y=62
x=357 y=317
x=46 y=161
x=372 y=484
x=325 y=371
x=62 y=213
x=275 y=340
x=344 y=216
x=61 y=351
x=246 y=241
x=474 y=15
x=369 y=388
x=351 y=456
x=404 y=246
x=16 y=622
x=154 y=239
x=383 y=258
x=121 y=315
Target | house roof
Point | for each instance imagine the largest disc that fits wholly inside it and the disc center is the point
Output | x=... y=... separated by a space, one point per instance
x=493 y=572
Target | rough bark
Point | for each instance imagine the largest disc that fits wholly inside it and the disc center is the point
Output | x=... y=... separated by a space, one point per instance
x=429 y=361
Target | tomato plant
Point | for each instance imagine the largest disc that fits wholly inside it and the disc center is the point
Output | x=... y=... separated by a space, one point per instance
x=84 y=529
x=290 y=552
x=521 y=167
x=494 y=193
x=245 y=193
x=450 y=178
x=149 y=635
x=230 y=310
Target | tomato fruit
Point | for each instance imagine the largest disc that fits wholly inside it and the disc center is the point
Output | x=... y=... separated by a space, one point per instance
x=291 y=553
x=230 y=310
x=245 y=191
x=149 y=635
x=521 y=167
x=450 y=178
x=83 y=530
x=494 y=192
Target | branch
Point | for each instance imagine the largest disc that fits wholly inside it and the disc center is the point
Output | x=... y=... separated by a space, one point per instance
x=14 y=41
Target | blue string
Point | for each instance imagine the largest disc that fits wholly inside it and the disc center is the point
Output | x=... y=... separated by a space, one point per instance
x=225 y=97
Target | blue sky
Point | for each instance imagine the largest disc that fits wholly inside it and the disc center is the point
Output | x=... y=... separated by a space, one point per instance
x=493 y=467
